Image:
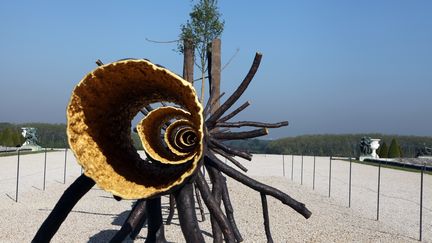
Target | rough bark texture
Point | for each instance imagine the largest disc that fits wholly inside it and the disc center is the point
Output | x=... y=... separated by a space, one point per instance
x=67 y=201
x=215 y=71
x=266 y=218
x=237 y=93
x=214 y=209
x=155 y=231
x=171 y=210
x=188 y=60
x=216 y=180
x=137 y=215
x=187 y=216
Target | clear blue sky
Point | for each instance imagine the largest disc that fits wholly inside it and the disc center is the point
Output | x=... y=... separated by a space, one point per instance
x=328 y=66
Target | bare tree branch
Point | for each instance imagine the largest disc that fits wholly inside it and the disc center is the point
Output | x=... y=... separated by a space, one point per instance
x=234 y=113
x=266 y=218
x=251 y=124
x=258 y=186
x=237 y=93
x=161 y=42
x=213 y=208
x=235 y=162
x=240 y=135
x=216 y=144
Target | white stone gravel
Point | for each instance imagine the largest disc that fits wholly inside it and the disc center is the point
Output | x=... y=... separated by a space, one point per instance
x=98 y=216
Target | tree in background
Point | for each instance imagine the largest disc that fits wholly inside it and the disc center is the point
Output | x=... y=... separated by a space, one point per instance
x=383 y=151
x=394 y=150
x=11 y=137
x=204 y=26
x=6 y=137
x=401 y=151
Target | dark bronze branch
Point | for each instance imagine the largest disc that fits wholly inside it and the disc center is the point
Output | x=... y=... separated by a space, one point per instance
x=266 y=218
x=67 y=201
x=258 y=186
x=251 y=124
x=186 y=212
x=236 y=95
x=136 y=216
x=240 y=135
x=213 y=208
x=200 y=205
x=234 y=161
x=155 y=227
x=216 y=144
x=171 y=210
x=216 y=181
x=234 y=112
x=230 y=211
x=211 y=103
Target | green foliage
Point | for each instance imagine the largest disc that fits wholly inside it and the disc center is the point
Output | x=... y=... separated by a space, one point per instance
x=54 y=136
x=10 y=135
x=251 y=145
x=336 y=145
x=325 y=145
x=383 y=151
x=49 y=135
x=394 y=149
x=204 y=26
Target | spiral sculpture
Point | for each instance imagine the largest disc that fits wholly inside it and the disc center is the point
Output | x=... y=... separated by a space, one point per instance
x=180 y=138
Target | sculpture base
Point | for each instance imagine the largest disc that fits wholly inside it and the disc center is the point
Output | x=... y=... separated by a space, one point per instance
x=363 y=157
x=31 y=147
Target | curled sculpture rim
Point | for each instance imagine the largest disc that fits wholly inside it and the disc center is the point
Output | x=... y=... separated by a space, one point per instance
x=104 y=103
x=99 y=115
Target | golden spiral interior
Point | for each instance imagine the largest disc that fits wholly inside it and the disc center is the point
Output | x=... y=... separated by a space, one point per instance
x=100 y=113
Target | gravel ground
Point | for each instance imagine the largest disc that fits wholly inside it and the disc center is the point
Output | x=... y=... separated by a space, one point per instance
x=98 y=216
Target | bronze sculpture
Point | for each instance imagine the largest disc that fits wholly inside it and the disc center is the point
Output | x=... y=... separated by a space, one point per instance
x=178 y=139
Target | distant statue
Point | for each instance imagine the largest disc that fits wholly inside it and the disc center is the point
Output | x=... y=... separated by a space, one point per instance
x=29 y=133
x=424 y=151
x=365 y=146
x=368 y=148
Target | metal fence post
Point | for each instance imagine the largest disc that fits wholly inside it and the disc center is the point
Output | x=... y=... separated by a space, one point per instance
x=313 y=182
x=301 y=180
x=64 y=172
x=44 y=176
x=379 y=185
x=421 y=202
x=283 y=164
x=292 y=166
x=17 y=178
x=330 y=169
x=349 y=190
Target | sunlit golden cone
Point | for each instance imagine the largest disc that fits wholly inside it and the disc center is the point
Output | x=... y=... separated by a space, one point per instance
x=99 y=115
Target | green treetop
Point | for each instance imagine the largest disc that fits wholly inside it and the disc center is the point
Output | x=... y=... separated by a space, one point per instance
x=204 y=26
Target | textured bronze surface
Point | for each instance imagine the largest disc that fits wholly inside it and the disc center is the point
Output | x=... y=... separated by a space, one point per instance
x=99 y=115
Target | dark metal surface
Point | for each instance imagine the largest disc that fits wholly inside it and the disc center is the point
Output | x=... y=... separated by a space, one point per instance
x=61 y=210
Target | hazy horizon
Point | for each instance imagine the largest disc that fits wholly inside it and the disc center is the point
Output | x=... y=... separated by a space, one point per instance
x=333 y=67
x=268 y=137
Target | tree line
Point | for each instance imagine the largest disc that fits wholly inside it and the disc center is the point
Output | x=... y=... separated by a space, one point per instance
x=54 y=136
x=336 y=145
x=48 y=135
